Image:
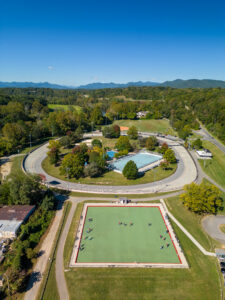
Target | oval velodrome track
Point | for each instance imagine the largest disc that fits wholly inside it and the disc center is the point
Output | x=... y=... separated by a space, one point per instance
x=186 y=173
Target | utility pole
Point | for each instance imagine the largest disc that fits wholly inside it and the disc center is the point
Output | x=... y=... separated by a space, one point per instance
x=30 y=140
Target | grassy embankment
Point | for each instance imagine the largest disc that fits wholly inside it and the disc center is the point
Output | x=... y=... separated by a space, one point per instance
x=200 y=281
x=215 y=167
x=160 y=126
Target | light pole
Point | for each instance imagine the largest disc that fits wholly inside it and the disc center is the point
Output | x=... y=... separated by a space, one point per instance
x=30 y=140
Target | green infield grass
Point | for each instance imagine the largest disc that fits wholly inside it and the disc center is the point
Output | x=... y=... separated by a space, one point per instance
x=104 y=239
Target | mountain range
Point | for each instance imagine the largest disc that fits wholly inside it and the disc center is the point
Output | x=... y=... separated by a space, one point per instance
x=178 y=83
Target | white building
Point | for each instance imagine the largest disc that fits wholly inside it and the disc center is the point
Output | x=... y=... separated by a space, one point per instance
x=141 y=114
x=205 y=153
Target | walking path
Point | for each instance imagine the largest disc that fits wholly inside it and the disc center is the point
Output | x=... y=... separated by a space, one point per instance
x=35 y=281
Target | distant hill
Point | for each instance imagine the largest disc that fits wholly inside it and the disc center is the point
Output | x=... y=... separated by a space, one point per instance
x=15 y=84
x=194 y=83
x=111 y=85
x=178 y=83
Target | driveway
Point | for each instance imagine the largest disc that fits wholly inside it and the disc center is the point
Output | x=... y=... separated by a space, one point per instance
x=211 y=225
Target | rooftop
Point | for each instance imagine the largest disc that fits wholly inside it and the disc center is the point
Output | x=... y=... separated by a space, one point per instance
x=15 y=212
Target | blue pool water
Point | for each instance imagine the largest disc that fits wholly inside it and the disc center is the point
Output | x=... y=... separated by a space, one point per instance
x=111 y=153
x=141 y=159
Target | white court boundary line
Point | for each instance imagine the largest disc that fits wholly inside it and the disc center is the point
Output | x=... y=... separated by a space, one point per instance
x=183 y=262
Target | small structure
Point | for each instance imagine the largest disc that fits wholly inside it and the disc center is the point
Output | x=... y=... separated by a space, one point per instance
x=205 y=153
x=11 y=218
x=124 y=200
x=141 y=114
x=220 y=253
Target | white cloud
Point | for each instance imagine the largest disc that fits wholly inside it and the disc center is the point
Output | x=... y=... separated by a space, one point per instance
x=50 y=68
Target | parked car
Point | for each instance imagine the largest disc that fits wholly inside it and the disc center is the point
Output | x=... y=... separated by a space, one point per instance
x=222 y=270
x=222 y=264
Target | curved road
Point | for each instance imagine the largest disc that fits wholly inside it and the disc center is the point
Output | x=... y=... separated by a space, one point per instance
x=186 y=173
x=211 y=225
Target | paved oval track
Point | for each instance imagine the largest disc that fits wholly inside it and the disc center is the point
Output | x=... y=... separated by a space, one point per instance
x=186 y=173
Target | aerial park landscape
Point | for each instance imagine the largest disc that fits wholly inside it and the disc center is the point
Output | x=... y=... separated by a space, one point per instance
x=112 y=170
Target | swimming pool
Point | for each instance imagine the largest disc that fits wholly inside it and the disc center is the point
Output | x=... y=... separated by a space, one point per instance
x=111 y=154
x=141 y=159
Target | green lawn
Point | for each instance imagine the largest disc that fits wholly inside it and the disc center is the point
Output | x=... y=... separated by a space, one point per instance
x=110 y=242
x=199 y=282
x=160 y=126
x=111 y=178
x=64 y=107
x=215 y=167
x=192 y=222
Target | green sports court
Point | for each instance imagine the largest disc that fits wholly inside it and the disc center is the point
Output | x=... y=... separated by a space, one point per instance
x=125 y=234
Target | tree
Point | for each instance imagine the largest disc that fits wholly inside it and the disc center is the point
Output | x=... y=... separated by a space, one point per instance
x=72 y=166
x=130 y=171
x=96 y=143
x=197 y=144
x=54 y=152
x=164 y=164
x=163 y=148
x=123 y=143
x=112 y=131
x=203 y=198
x=151 y=143
x=170 y=156
x=132 y=133
x=24 y=189
x=96 y=116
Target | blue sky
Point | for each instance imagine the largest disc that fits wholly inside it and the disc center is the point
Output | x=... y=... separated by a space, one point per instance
x=78 y=42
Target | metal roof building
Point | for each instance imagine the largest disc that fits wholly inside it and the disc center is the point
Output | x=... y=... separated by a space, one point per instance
x=11 y=218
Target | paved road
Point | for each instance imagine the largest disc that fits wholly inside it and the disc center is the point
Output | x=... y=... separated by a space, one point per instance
x=207 y=136
x=211 y=225
x=186 y=173
x=35 y=281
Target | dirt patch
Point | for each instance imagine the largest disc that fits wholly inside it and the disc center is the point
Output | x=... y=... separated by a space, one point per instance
x=5 y=168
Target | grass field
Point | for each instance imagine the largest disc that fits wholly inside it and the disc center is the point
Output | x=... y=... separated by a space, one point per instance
x=199 y=282
x=64 y=107
x=215 y=167
x=111 y=178
x=111 y=242
x=192 y=222
x=160 y=126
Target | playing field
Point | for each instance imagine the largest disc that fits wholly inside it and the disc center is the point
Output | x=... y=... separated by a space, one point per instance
x=136 y=240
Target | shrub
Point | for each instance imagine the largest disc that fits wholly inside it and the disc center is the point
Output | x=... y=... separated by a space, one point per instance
x=197 y=144
x=93 y=170
x=121 y=153
x=130 y=171
x=96 y=143
x=163 y=148
x=164 y=164
x=112 y=131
